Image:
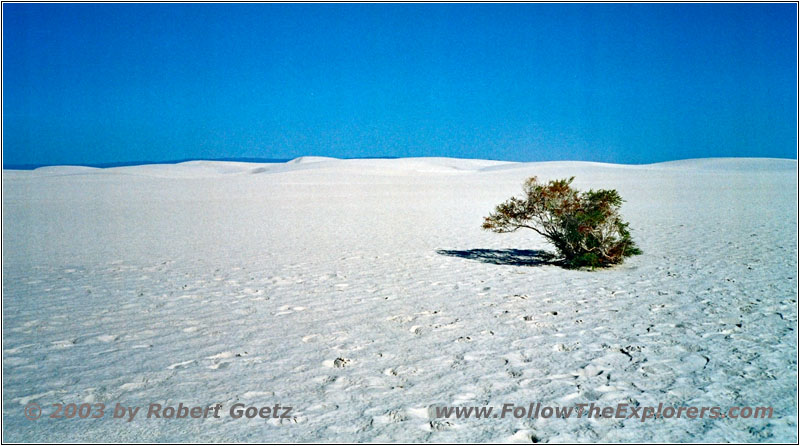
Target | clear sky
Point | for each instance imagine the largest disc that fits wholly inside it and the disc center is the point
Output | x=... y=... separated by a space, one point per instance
x=627 y=83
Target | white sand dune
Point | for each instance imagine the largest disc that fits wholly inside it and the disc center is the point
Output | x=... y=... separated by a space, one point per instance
x=363 y=292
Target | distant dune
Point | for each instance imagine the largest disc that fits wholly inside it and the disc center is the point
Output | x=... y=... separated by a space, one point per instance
x=426 y=164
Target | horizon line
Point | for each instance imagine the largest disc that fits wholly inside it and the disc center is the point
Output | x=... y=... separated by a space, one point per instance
x=256 y=160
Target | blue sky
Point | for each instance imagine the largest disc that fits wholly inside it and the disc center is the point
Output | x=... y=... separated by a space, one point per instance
x=627 y=83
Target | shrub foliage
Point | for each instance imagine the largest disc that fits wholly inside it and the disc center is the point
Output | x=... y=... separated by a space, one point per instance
x=585 y=227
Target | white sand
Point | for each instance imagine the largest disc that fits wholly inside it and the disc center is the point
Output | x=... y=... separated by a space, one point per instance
x=317 y=284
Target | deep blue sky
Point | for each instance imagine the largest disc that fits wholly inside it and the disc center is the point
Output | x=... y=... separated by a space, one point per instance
x=97 y=83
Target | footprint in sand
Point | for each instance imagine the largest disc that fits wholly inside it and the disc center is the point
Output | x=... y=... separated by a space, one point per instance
x=257 y=394
x=400 y=318
x=180 y=365
x=132 y=386
x=309 y=338
x=338 y=363
x=393 y=416
x=523 y=436
x=437 y=426
x=288 y=309
x=349 y=347
x=220 y=359
x=323 y=380
x=294 y=418
x=566 y=347
x=514 y=373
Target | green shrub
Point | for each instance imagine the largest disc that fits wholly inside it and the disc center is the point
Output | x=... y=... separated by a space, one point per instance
x=585 y=227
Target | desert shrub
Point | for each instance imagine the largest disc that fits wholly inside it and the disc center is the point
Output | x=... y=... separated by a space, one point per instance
x=585 y=227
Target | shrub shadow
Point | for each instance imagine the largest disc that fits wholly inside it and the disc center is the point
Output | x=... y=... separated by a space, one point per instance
x=514 y=257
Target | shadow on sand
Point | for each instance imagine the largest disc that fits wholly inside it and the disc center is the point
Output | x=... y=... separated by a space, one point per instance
x=515 y=257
